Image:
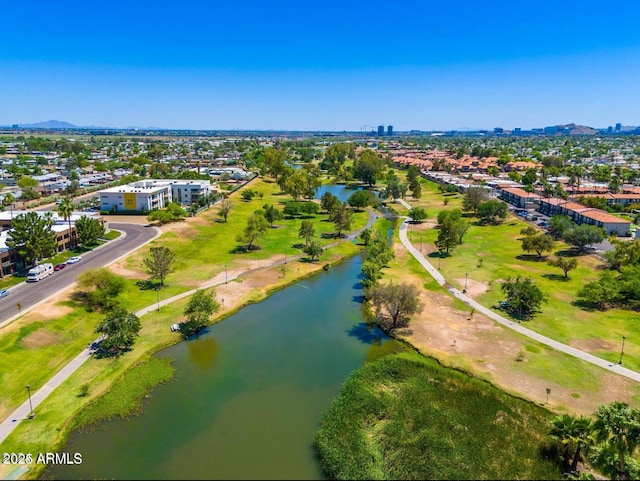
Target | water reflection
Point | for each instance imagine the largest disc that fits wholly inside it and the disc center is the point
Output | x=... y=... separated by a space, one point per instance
x=203 y=351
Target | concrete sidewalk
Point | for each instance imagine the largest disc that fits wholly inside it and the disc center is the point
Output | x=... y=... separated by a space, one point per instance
x=585 y=356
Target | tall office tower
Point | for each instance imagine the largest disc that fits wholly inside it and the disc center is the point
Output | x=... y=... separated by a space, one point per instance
x=389 y=130
x=618 y=127
x=380 y=130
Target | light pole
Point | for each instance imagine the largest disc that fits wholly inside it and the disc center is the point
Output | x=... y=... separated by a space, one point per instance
x=225 y=273
x=31 y=415
x=466 y=276
x=158 y=297
x=622 y=349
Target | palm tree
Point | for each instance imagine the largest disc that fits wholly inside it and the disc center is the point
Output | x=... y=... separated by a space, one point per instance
x=618 y=426
x=583 y=436
x=65 y=209
x=562 y=431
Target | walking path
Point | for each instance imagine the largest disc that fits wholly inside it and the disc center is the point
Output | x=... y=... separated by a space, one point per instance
x=617 y=368
x=10 y=423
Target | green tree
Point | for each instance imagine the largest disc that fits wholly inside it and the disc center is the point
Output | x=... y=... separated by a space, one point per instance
x=559 y=225
x=88 y=230
x=202 y=305
x=225 y=208
x=574 y=436
x=491 y=211
x=159 y=263
x=447 y=236
x=342 y=219
x=272 y=213
x=370 y=273
x=393 y=304
x=366 y=236
x=584 y=235
x=99 y=288
x=618 y=426
x=539 y=243
x=65 y=209
x=8 y=200
x=473 y=197
x=255 y=229
x=565 y=263
x=462 y=226
x=28 y=186
x=329 y=202
x=368 y=167
x=601 y=293
x=32 y=236
x=524 y=297
x=359 y=199
x=275 y=162
x=307 y=231
x=119 y=330
x=416 y=189
x=417 y=214
x=313 y=250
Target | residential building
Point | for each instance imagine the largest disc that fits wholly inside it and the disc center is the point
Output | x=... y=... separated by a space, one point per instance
x=152 y=194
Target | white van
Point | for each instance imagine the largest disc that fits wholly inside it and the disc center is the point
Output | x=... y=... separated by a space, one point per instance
x=38 y=273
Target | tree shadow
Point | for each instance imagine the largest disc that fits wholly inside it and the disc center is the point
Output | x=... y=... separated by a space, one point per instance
x=587 y=306
x=531 y=258
x=147 y=285
x=367 y=333
x=569 y=253
x=243 y=249
x=556 y=277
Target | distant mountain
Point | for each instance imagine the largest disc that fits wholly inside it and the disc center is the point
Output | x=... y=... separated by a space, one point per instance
x=579 y=129
x=50 y=124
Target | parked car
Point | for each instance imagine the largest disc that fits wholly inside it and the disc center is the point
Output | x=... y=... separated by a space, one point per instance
x=74 y=259
x=4 y=293
x=59 y=267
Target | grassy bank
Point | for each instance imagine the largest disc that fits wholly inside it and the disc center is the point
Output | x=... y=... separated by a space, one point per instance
x=406 y=417
x=41 y=343
x=64 y=409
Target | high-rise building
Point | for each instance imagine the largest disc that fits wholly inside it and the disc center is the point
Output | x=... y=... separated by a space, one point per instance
x=380 y=130
x=618 y=127
x=389 y=130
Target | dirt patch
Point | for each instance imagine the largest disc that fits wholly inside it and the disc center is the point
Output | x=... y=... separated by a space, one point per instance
x=40 y=338
x=119 y=269
x=477 y=344
x=52 y=309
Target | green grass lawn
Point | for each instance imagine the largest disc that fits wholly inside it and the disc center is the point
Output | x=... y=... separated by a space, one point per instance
x=490 y=254
x=406 y=417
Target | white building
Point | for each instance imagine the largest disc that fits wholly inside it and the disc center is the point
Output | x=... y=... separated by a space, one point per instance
x=153 y=194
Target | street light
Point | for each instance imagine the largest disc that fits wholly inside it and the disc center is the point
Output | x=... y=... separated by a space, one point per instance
x=225 y=273
x=31 y=416
x=158 y=297
x=465 y=283
x=622 y=349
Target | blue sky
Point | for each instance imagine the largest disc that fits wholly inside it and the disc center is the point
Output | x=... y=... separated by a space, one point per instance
x=330 y=65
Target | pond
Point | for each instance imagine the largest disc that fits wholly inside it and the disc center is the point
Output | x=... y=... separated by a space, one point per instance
x=248 y=395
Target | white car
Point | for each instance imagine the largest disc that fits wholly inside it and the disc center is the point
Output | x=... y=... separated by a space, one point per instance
x=74 y=259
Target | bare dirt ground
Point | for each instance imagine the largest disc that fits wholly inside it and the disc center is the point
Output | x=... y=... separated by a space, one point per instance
x=475 y=343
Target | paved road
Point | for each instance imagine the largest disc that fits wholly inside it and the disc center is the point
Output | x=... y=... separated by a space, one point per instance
x=618 y=369
x=30 y=295
x=23 y=411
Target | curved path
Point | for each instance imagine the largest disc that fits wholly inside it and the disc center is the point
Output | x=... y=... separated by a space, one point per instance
x=30 y=295
x=585 y=356
x=23 y=411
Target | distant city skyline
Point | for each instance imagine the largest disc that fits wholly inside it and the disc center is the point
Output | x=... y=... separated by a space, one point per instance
x=331 y=66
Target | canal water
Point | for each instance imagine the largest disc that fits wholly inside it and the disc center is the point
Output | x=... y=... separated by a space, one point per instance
x=248 y=395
